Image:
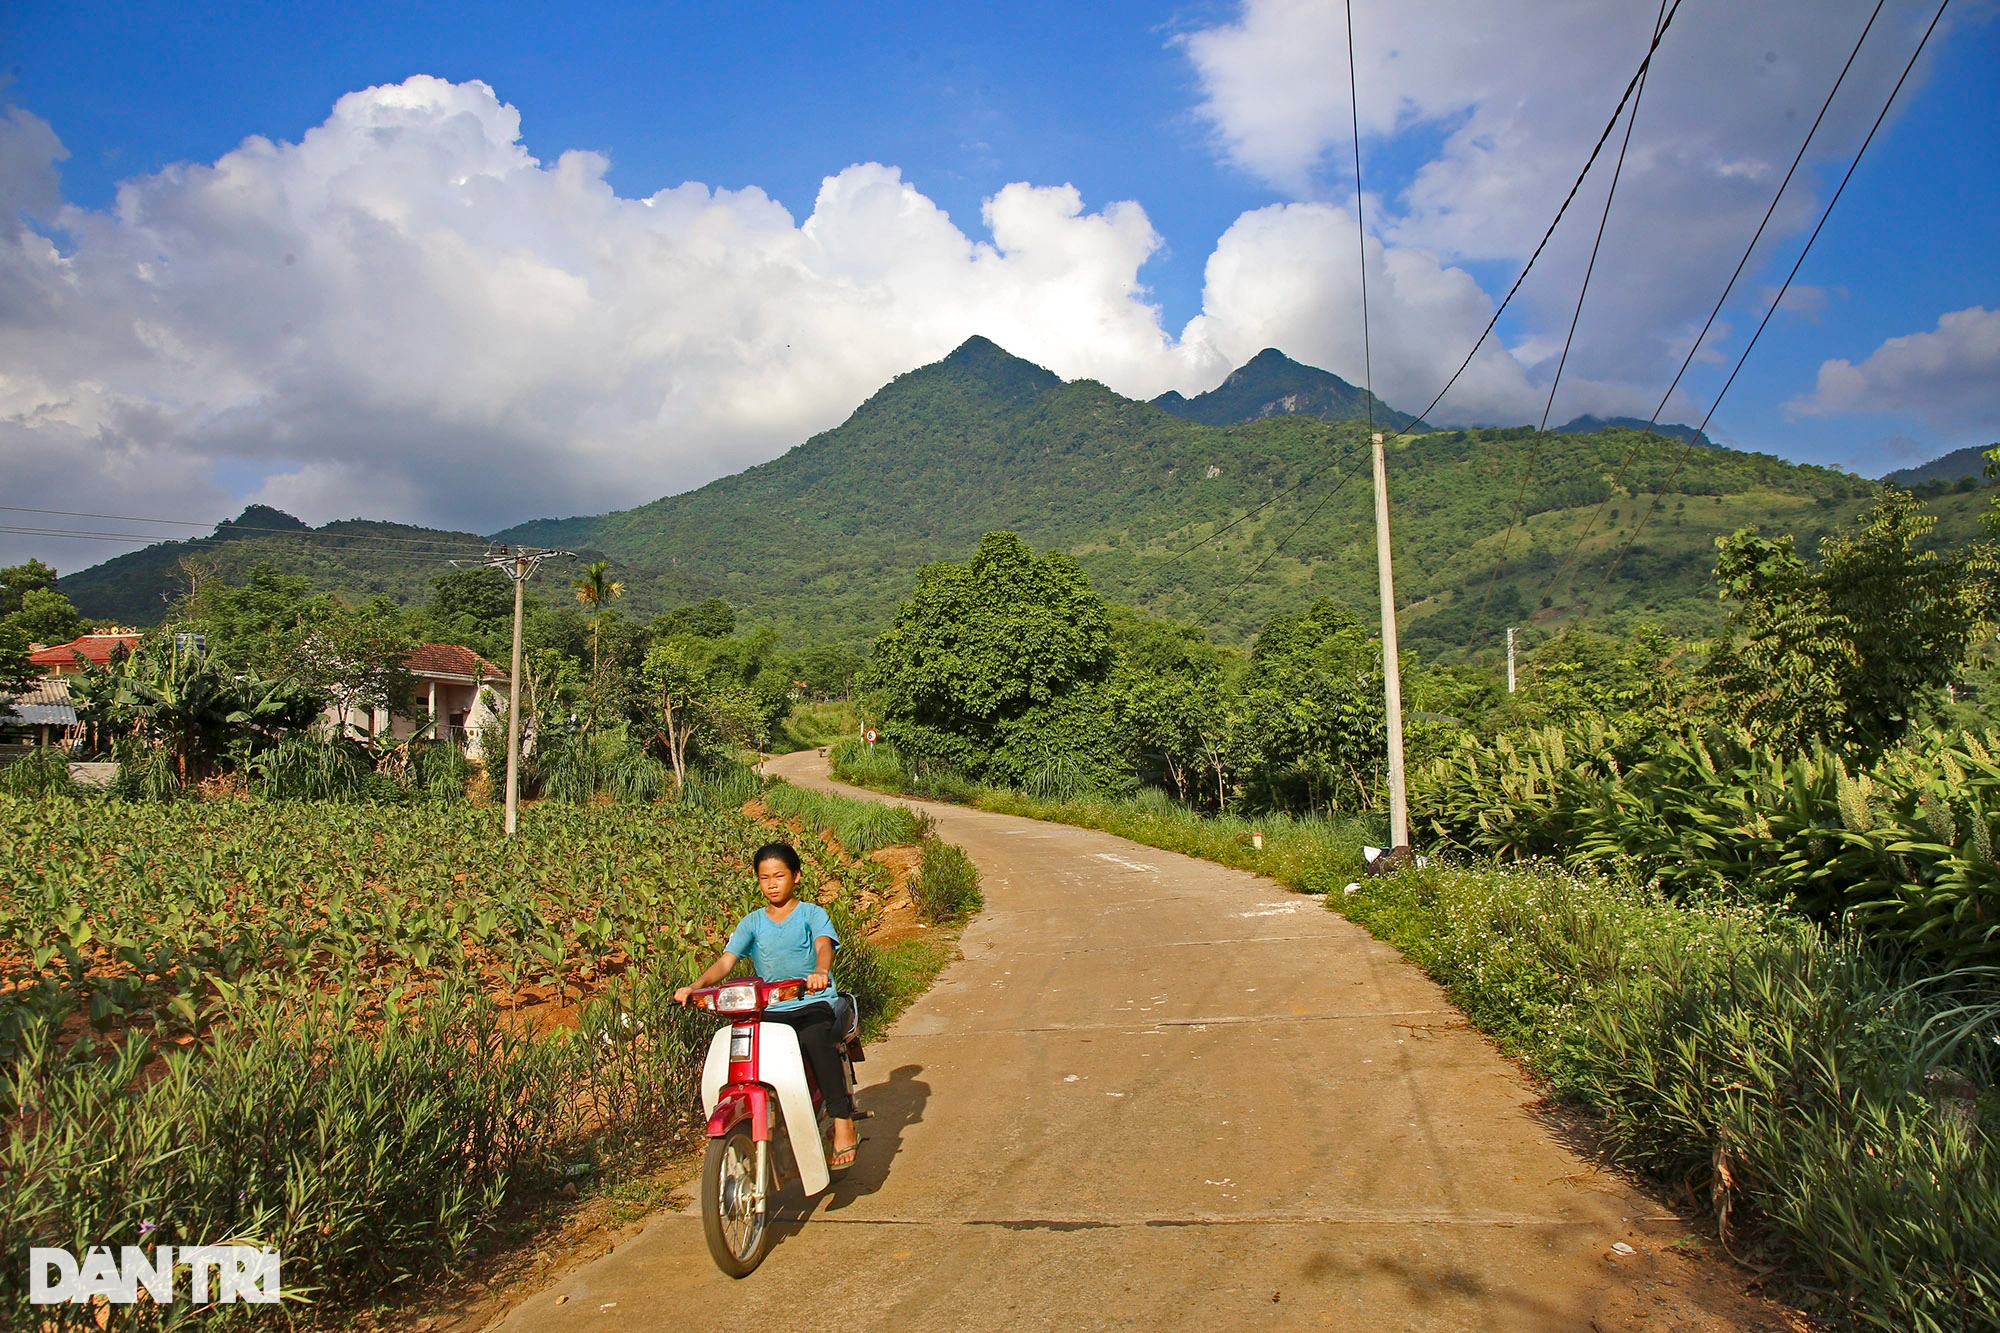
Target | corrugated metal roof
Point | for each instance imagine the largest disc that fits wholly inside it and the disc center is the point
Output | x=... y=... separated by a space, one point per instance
x=45 y=705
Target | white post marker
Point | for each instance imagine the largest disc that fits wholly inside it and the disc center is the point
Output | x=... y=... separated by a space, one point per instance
x=1510 y=659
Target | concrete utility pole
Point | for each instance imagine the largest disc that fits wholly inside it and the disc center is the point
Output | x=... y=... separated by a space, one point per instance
x=1392 y=682
x=518 y=565
x=1510 y=659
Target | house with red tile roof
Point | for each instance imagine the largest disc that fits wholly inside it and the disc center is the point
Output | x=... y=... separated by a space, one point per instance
x=64 y=659
x=459 y=693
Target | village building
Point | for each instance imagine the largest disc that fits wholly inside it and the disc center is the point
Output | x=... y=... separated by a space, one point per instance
x=41 y=716
x=68 y=659
x=459 y=694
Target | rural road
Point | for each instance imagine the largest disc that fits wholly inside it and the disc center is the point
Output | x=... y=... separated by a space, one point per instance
x=1156 y=1093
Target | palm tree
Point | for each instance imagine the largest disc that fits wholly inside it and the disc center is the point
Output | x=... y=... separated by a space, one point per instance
x=594 y=590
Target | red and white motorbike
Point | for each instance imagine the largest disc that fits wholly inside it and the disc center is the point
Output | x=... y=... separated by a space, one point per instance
x=767 y=1120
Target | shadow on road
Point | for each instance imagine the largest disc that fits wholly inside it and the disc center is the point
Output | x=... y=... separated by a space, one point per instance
x=897 y=1104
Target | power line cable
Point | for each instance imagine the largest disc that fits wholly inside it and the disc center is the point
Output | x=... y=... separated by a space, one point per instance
x=1367 y=352
x=1631 y=88
x=1583 y=289
x=1313 y=475
x=1776 y=301
x=1648 y=435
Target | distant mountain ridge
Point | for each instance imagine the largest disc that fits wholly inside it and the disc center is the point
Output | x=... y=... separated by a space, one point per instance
x=1954 y=466
x=1271 y=384
x=1590 y=425
x=1220 y=525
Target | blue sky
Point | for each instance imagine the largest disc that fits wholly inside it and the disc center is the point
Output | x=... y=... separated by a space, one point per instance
x=1224 y=123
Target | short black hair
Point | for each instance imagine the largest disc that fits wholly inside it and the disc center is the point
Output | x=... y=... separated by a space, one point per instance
x=776 y=851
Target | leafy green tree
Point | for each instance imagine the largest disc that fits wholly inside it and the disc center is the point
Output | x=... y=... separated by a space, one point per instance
x=1175 y=696
x=46 y=616
x=17 y=581
x=980 y=667
x=1851 y=649
x=1312 y=732
x=827 y=670
x=710 y=619
x=695 y=713
x=16 y=672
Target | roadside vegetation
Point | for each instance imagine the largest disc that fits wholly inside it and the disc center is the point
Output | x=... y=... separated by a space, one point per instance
x=1738 y=896
x=459 y=1025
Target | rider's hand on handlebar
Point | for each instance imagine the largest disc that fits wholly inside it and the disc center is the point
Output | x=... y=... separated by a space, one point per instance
x=818 y=981
x=681 y=995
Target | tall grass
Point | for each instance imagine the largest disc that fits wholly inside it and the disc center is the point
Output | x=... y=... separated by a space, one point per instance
x=725 y=787
x=881 y=767
x=578 y=767
x=315 y=768
x=810 y=725
x=860 y=826
x=1787 y=1080
x=947 y=887
x=42 y=771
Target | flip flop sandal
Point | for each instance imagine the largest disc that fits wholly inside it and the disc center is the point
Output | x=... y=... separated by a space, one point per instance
x=835 y=1165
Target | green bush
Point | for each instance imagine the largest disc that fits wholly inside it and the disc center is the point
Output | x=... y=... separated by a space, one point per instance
x=578 y=767
x=315 y=768
x=947 y=886
x=725 y=787
x=1739 y=1052
x=880 y=765
x=40 y=772
x=438 y=771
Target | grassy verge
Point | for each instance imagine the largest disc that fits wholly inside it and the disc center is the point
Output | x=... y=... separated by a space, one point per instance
x=1844 y=1112
x=1835 y=1117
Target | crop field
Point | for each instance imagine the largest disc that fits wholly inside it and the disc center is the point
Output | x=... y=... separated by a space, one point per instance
x=353 y=1032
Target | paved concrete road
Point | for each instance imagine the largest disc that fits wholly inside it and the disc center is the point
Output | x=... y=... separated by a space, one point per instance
x=1156 y=1093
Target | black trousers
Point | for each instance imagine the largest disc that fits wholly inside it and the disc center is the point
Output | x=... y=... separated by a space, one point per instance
x=821 y=1047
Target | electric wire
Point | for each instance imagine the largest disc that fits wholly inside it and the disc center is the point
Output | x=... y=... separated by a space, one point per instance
x=1569 y=339
x=1631 y=87
x=1648 y=435
x=1771 y=310
x=1576 y=185
x=1367 y=351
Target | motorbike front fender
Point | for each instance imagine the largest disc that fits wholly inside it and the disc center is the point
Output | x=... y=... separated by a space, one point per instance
x=782 y=1065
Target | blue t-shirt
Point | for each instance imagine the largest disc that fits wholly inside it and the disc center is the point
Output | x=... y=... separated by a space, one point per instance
x=780 y=950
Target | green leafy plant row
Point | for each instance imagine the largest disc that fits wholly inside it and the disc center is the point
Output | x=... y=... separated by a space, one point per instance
x=1903 y=847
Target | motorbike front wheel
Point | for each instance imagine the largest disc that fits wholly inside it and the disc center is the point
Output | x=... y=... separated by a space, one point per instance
x=738 y=1231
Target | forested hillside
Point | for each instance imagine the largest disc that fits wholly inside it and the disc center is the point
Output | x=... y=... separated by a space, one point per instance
x=823 y=541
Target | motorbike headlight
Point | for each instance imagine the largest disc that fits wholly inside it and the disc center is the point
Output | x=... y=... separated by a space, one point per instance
x=736 y=999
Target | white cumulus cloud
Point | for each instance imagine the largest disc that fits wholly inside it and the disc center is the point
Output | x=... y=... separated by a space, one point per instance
x=1489 y=110
x=1949 y=376
x=406 y=315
